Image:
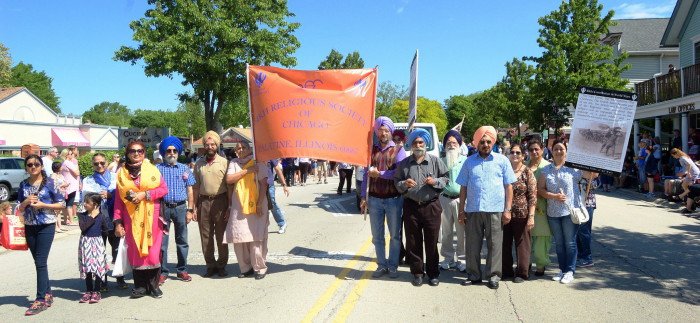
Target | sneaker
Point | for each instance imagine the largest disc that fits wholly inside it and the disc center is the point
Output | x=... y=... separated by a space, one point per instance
x=86 y=298
x=48 y=298
x=568 y=277
x=283 y=229
x=584 y=264
x=162 y=279
x=184 y=276
x=462 y=267
x=96 y=297
x=558 y=276
x=446 y=264
x=121 y=284
x=393 y=273
x=36 y=308
x=379 y=272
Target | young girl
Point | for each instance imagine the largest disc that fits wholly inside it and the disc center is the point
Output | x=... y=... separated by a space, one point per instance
x=92 y=258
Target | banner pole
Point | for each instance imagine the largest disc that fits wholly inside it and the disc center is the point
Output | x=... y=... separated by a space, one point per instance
x=371 y=144
x=250 y=109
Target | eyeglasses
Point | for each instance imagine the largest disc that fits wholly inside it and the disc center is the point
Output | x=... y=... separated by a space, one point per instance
x=171 y=151
x=533 y=149
x=32 y=165
x=98 y=164
x=516 y=153
x=136 y=151
x=485 y=142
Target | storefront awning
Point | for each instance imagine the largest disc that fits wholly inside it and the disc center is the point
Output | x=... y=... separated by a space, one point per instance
x=2 y=141
x=63 y=137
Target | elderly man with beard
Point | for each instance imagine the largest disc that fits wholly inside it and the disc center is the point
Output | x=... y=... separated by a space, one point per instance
x=211 y=204
x=421 y=178
x=177 y=205
x=384 y=201
x=449 y=200
x=486 y=179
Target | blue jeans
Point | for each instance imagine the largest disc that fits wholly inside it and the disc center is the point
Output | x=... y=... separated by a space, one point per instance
x=379 y=210
x=177 y=215
x=276 y=211
x=564 y=234
x=583 y=239
x=39 y=240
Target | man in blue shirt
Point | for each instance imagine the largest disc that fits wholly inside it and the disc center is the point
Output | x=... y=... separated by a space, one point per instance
x=177 y=205
x=485 y=199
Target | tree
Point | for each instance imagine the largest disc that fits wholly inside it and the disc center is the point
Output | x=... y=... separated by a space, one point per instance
x=5 y=66
x=573 y=56
x=152 y=119
x=477 y=109
x=515 y=88
x=37 y=82
x=429 y=111
x=387 y=93
x=108 y=113
x=209 y=43
x=188 y=119
x=335 y=61
x=236 y=113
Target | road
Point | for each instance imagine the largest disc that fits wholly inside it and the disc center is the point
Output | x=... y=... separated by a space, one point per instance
x=646 y=270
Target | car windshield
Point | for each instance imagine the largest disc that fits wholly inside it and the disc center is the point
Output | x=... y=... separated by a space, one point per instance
x=407 y=146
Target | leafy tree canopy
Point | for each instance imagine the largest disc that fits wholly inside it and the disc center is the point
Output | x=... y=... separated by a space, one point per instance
x=387 y=94
x=5 y=66
x=37 y=82
x=108 y=113
x=429 y=111
x=334 y=61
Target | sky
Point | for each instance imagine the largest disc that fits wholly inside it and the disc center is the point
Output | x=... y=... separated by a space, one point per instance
x=463 y=45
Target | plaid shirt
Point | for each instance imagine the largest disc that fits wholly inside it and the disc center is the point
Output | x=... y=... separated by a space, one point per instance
x=177 y=177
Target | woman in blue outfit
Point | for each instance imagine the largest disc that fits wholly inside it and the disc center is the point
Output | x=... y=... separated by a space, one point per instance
x=40 y=199
x=559 y=184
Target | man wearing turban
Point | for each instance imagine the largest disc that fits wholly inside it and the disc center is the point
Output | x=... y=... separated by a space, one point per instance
x=421 y=178
x=384 y=201
x=485 y=200
x=211 y=200
x=177 y=205
x=449 y=200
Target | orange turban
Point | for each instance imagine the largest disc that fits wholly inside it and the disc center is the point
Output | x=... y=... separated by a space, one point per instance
x=484 y=131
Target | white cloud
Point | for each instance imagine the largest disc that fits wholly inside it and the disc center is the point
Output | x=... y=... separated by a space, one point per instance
x=399 y=10
x=643 y=10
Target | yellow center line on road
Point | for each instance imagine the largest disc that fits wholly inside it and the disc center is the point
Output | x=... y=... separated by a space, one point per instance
x=326 y=297
x=354 y=295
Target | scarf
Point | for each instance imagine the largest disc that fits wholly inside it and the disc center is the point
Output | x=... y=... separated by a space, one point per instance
x=141 y=214
x=247 y=190
x=103 y=179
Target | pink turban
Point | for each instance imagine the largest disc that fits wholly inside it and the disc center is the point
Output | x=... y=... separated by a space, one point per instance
x=488 y=131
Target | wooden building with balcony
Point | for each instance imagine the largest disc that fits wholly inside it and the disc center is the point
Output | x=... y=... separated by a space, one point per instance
x=675 y=94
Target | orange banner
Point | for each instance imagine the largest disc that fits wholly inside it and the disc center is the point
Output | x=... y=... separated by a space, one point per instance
x=324 y=114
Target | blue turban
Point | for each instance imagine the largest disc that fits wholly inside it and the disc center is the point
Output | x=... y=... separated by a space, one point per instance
x=383 y=121
x=452 y=133
x=420 y=132
x=170 y=141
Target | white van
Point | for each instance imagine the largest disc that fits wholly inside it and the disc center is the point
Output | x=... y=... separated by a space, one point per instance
x=435 y=148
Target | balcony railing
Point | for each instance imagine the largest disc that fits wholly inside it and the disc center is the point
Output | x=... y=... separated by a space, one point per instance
x=669 y=86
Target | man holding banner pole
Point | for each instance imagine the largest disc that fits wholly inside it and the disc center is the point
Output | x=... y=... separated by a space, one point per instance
x=382 y=199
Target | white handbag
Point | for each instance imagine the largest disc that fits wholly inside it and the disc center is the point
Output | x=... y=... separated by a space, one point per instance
x=121 y=264
x=579 y=215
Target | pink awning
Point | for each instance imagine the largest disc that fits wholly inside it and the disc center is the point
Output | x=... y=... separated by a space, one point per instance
x=66 y=137
x=2 y=141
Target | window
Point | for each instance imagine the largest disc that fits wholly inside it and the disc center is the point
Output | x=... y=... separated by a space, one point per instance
x=7 y=164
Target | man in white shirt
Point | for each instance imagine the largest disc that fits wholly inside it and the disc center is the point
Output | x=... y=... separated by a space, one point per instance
x=51 y=154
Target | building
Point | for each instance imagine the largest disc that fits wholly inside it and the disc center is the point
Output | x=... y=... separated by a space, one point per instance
x=26 y=119
x=674 y=94
x=229 y=138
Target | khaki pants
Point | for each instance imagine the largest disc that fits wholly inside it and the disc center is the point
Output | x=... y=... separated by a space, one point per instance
x=212 y=216
x=252 y=255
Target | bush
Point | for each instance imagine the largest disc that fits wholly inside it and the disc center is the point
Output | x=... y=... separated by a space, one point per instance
x=85 y=161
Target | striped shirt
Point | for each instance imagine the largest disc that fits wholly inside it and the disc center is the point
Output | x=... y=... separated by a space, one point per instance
x=177 y=177
x=485 y=179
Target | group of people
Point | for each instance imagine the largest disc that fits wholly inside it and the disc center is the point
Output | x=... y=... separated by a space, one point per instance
x=510 y=202
x=135 y=203
x=297 y=171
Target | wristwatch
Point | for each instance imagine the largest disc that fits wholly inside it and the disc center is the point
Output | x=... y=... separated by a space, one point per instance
x=190 y=210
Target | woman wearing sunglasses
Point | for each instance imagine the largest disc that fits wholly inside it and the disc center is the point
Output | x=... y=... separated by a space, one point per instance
x=140 y=188
x=40 y=198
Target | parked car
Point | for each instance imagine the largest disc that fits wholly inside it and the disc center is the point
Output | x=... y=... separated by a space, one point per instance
x=11 y=174
x=435 y=148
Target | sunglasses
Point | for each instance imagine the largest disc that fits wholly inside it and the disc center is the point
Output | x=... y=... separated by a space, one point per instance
x=32 y=165
x=171 y=151
x=516 y=153
x=136 y=151
x=485 y=142
x=98 y=164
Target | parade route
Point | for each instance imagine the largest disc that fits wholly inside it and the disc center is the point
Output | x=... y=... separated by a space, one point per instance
x=646 y=269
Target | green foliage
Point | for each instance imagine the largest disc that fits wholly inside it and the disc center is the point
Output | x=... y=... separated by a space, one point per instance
x=573 y=56
x=429 y=111
x=387 y=94
x=478 y=109
x=209 y=43
x=85 y=161
x=5 y=66
x=108 y=113
x=334 y=61
x=188 y=120
x=236 y=112
x=37 y=82
x=515 y=89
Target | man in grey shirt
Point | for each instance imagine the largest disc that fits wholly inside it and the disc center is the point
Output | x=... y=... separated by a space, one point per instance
x=421 y=177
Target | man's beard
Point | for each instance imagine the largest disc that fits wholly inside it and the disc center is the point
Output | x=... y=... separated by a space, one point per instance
x=452 y=155
x=172 y=160
x=211 y=152
x=418 y=152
